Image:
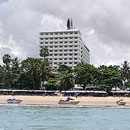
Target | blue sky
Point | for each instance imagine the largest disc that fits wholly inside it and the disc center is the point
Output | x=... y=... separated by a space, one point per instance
x=1 y=1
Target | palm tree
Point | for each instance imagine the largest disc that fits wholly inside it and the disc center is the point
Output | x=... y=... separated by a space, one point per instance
x=66 y=81
x=44 y=53
x=125 y=73
x=16 y=72
x=7 y=77
x=1 y=76
x=66 y=77
x=44 y=70
x=31 y=68
x=6 y=59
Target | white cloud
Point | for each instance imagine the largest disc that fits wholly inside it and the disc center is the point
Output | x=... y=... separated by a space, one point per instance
x=105 y=25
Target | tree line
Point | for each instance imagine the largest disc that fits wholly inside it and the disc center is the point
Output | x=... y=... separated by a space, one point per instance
x=36 y=73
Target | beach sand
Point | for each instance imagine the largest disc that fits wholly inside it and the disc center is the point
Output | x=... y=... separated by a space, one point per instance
x=52 y=101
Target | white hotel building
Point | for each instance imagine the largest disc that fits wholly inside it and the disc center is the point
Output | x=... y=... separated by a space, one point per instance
x=65 y=47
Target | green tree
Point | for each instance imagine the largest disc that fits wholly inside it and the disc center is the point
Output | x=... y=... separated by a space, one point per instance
x=110 y=77
x=1 y=76
x=16 y=72
x=44 y=53
x=7 y=77
x=86 y=74
x=125 y=73
x=66 y=77
x=31 y=68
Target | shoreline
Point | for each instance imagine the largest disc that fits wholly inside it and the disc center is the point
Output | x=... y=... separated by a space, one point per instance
x=52 y=101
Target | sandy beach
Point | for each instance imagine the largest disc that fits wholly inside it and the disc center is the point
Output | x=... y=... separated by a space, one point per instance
x=52 y=101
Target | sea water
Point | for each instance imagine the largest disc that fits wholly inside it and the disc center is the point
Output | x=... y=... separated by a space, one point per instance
x=44 y=118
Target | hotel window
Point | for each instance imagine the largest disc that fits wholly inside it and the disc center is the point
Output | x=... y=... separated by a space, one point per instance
x=70 y=46
x=46 y=42
x=75 y=62
x=51 y=42
x=70 y=62
x=65 y=54
x=61 y=38
x=61 y=33
x=65 y=58
x=55 y=54
x=56 y=38
x=51 y=38
x=75 y=50
x=75 y=54
x=60 y=54
x=42 y=33
x=55 y=58
x=56 y=50
x=61 y=46
x=51 y=33
x=61 y=42
x=50 y=54
x=56 y=46
x=75 y=46
x=51 y=46
x=41 y=38
x=65 y=50
x=56 y=42
x=51 y=50
x=70 y=50
x=70 y=54
x=76 y=37
x=75 y=58
x=65 y=63
x=60 y=58
x=70 y=58
x=65 y=46
x=46 y=38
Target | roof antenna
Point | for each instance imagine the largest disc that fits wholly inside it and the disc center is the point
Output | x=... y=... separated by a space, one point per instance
x=69 y=24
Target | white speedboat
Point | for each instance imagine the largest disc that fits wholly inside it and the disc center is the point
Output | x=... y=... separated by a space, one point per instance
x=68 y=101
x=14 y=101
x=121 y=102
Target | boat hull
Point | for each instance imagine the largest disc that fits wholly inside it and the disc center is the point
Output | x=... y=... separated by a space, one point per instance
x=69 y=102
x=121 y=102
x=14 y=101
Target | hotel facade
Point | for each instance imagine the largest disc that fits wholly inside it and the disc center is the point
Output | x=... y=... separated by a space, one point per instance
x=65 y=47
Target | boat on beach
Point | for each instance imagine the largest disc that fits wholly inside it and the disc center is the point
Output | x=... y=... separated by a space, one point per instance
x=14 y=101
x=121 y=102
x=68 y=101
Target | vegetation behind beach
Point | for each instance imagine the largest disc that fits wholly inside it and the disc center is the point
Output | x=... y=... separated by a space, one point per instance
x=36 y=73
